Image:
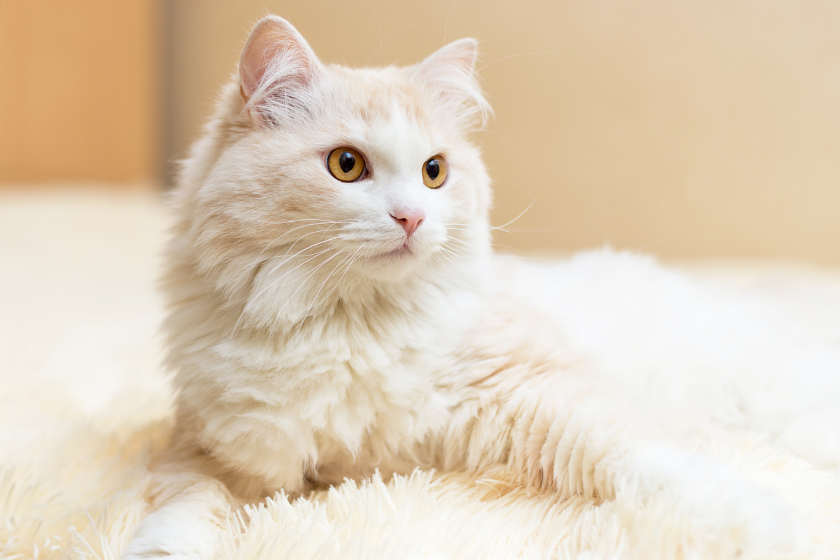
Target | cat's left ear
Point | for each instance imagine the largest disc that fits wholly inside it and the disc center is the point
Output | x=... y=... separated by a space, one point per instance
x=450 y=74
x=277 y=69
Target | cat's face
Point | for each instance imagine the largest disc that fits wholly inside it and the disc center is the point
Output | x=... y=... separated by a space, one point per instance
x=331 y=172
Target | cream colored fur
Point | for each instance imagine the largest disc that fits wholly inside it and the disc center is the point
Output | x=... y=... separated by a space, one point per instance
x=313 y=339
x=83 y=405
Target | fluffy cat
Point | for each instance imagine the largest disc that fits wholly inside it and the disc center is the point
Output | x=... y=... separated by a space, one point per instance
x=335 y=308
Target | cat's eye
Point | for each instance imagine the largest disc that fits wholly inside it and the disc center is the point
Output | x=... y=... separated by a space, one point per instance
x=434 y=172
x=346 y=164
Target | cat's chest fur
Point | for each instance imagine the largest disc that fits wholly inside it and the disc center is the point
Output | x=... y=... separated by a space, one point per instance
x=351 y=388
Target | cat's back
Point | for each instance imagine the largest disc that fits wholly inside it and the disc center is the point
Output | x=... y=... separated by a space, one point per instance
x=692 y=355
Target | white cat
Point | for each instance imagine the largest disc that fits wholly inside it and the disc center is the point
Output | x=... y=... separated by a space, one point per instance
x=335 y=308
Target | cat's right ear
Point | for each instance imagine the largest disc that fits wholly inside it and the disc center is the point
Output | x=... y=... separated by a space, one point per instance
x=450 y=75
x=277 y=70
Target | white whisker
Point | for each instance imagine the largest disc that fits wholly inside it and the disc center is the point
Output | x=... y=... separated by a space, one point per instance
x=304 y=282
x=511 y=56
x=253 y=298
x=330 y=275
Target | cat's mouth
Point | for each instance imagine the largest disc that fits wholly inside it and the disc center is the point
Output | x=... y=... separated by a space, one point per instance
x=402 y=251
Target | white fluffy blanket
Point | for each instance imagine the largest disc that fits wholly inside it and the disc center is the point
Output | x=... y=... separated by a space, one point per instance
x=83 y=404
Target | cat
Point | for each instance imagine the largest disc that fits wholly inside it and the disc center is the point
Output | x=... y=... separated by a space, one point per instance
x=334 y=307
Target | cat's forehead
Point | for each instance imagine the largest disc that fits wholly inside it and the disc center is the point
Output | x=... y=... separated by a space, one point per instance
x=401 y=134
x=374 y=92
x=388 y=112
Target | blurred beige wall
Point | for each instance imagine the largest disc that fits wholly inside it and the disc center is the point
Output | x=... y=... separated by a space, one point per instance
x=79 y=91
x=687 y=129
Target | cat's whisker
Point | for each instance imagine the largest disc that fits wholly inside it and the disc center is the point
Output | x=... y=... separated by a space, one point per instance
x=304 y=282
x=506 y=247
x=466 y=252
x=290 y=258
x=382 y=43
x=446 y=23
x=461 y=241
x=369 y=250
x=458 y=227
x=286 y=257
x=379 y=23
x=467 y=245
x=309 y=220
x=448 y=254
x=456 y=240
x=524 y=257
x=254 y=298
x=450 y=259
x=351 y=260
x=366 y=256
x=500 y=136
x=300 y=254
x=479 y=141
x=533 y=201
x=330 y=275
x=211 y=212
x=285 y=222
x=511 y=56
x=454 y=258
x=463 y=227
x=274 y=242
x=351 y=264
x=445 y=245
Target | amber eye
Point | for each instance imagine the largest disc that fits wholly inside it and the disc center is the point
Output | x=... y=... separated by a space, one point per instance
x=434 y=172
x=346 y=164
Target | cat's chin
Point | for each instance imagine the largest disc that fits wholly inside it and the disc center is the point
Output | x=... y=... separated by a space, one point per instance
x=403 y=252
x=395 y=264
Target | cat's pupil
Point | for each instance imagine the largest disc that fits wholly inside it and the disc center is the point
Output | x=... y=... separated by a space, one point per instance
x=346 y=162
x=432 y=169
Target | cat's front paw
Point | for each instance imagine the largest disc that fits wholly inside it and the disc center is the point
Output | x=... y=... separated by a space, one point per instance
x=177 y=532
x=139 y=550
x=715 y=501
x=156 y=555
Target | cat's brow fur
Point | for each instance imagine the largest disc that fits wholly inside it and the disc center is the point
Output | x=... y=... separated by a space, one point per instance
x=302 y=356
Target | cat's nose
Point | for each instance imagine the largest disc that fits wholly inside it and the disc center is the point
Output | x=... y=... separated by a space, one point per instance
x=409 y=218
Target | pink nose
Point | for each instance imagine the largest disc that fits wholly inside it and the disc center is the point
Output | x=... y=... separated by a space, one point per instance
x=410 y=219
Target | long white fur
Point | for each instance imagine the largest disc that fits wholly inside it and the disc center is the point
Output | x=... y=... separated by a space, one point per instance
x=305 y=354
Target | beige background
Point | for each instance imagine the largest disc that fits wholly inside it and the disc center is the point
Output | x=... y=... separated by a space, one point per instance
x=689 y=129
x=79 y=90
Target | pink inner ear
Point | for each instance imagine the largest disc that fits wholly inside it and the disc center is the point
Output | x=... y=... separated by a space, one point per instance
x=275 y=44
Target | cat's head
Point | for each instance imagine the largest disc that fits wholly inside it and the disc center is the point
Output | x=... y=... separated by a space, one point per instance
x=317 y=178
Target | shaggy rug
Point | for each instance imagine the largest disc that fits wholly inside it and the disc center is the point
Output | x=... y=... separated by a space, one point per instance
x=83 y=405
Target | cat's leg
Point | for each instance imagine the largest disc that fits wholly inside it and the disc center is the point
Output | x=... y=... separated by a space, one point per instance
x=561 y=433
x=190 y=519
x=195 y=498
